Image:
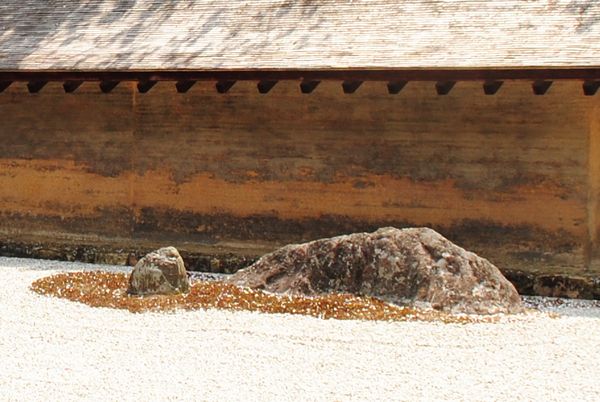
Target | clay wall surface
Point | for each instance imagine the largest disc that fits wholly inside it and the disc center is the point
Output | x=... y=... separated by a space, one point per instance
x=514 y=176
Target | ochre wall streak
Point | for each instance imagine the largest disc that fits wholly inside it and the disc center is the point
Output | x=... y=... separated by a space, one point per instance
x=63 y=189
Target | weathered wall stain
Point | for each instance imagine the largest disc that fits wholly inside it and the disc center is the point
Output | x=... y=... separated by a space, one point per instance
x=60 y=188
x=268 y=169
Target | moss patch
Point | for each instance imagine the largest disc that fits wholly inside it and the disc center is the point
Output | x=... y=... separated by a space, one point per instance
x=105 y=289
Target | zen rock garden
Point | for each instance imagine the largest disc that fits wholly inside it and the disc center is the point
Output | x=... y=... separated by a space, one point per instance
x=414 y=267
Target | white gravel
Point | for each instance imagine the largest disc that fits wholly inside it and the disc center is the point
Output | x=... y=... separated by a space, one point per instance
x=53 y=349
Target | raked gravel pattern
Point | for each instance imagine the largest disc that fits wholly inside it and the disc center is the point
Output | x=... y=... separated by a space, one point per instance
x=54 y=349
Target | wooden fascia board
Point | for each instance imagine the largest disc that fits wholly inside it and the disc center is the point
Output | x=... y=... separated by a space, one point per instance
x=310 y=75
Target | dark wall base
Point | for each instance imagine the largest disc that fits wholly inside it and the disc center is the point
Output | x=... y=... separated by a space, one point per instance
x=201 y=259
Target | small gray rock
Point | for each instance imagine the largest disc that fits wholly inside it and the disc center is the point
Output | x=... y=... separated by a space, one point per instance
x=415 y=267
x=161 y=272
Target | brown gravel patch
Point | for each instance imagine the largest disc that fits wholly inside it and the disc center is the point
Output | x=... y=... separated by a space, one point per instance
x=108 y=289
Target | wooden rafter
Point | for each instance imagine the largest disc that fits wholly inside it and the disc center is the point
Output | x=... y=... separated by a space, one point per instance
x=350 y=87
x=36 y=86
x=540 y=87
x=396 y=86
x=265 y=86
x=224 y=86
x=71 y=86
x=184 y=86
x=590 y=87
x=444 y=87
x=307 y=87
x=145 y=86
x=108 y=86
x=4 y=85
x=491 y=87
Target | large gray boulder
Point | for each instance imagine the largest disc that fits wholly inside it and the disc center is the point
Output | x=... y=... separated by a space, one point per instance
x=416 y=267
x=160 y=272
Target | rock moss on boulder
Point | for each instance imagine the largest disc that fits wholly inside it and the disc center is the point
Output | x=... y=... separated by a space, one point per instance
x=416 y=266
x=161 y=272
